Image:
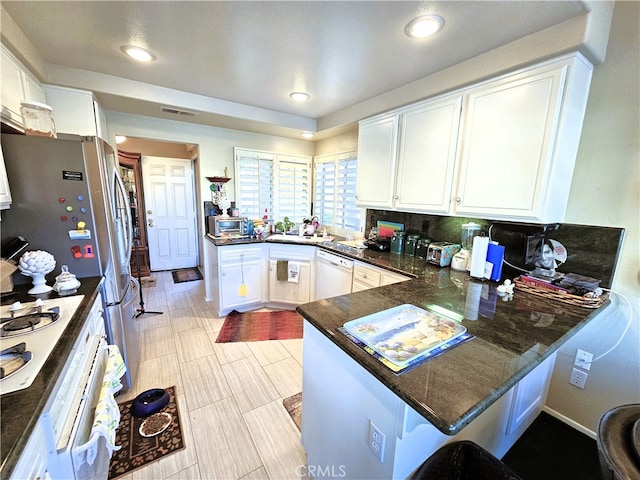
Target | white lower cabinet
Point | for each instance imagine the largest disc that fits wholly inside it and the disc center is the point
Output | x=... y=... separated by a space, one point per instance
x=284 y=292
x=367 y=276
x=233 y=266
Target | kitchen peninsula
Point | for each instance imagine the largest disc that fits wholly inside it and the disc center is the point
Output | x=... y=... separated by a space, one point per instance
x=487 y=390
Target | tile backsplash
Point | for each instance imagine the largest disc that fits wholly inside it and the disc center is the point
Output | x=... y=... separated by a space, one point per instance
x=591 y=250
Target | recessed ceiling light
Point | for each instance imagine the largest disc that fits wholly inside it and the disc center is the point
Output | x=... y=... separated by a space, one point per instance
x=138 y=53
x=299 y=96
x=307 y=134
x=424 y=26
x=120 y=139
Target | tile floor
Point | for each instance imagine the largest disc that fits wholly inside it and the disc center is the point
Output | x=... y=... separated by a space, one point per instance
x=229 y=394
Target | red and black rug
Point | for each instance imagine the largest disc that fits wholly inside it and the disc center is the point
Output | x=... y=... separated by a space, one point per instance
x=256 y=326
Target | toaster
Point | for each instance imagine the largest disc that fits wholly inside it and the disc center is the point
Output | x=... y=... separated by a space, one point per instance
x=441 y=253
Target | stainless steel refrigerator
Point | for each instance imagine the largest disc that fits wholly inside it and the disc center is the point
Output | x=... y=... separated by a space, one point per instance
x=69 y=200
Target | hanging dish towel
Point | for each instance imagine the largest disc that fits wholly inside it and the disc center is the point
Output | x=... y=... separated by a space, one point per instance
x=107 y=412
x=294 y=272
x=282 y=267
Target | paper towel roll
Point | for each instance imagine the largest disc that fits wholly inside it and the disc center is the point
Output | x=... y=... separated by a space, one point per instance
x=478 y=256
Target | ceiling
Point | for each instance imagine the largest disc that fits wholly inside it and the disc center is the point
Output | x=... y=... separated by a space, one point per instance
x=234 y=63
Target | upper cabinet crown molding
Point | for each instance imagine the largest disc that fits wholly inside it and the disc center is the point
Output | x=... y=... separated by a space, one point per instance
x=502 y=149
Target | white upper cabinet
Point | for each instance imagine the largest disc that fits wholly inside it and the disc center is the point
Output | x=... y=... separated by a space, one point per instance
x=18 y=84
x=76 y=111
x=427 y=154
x=377 y=145
x=509 y=155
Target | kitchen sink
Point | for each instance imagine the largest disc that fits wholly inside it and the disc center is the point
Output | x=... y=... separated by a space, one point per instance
x=280 y=237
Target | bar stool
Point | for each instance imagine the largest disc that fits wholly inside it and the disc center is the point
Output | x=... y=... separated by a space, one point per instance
x=463 y=460
x=619 y=443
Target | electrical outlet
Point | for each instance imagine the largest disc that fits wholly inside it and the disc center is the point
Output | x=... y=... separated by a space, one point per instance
x=578 y=378
x=376 y=441
x=583 y=359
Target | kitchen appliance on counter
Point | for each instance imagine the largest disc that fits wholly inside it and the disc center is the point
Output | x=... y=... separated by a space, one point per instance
x=221 y=226
x=69 y=200
x=441 y=253
x=461 y=259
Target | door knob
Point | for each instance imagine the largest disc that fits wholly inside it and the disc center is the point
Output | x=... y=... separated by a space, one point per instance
x=150 y=222
x=149 y=212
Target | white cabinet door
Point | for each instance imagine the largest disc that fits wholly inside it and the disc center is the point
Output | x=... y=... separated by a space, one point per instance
x=18 y=84
x=5 y=193
x=377 y=141
x=507 y=145
x=11 y=89
x=426 y=161
x=290 y=292
x=367 y=276
x=231 y=277
x=389 y=277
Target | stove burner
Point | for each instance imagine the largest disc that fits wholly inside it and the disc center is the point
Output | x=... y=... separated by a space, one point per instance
x=29 y=322
x=22 y=323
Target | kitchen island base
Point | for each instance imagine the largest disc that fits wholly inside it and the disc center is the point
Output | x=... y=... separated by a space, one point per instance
x=341 y=400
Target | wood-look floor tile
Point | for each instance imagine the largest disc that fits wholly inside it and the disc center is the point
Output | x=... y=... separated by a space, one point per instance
x=175 y=462
x=184 y=319
x=160 y=372
x=204 y=382
x=294 y=346
x=249 y=384
x=286 y=376
x=190 y=473
x=269 y=351
x=156 y=342
x=223 y=444
x=277 y=440
x=259 y=474
x=147 y=321
x=192 y=344
x=211 y=323
x=231 y=351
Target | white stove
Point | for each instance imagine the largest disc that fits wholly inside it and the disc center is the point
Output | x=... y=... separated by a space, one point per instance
x=28 y=335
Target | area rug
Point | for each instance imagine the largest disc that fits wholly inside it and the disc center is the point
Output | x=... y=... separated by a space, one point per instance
x=293 y=405
x=186 y=275
x=138 y=451
x=256 y=326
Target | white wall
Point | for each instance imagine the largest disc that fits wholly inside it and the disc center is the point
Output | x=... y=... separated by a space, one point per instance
x=605 y=191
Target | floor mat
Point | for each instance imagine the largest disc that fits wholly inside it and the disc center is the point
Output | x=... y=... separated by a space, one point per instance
x=256 y=326
x=138 y=451
x=293 y=405
x=186 y=275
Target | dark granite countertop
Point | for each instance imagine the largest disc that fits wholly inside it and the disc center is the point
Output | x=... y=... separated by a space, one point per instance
x=511 y=339
x=20 y=410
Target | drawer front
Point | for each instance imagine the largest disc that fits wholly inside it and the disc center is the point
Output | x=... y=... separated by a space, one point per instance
x=366 y=275
x=234 y=254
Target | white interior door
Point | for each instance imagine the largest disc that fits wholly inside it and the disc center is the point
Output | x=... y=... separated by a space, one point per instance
x=171 y=216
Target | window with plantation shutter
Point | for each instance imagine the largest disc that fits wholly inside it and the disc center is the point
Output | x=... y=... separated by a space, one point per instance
x=279 y=184
x=254 y=182
x=335 y=192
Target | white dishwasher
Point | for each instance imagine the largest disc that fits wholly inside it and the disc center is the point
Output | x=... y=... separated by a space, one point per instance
x=333 y=275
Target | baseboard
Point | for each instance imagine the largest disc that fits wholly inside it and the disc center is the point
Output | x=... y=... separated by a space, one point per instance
x=571 y=423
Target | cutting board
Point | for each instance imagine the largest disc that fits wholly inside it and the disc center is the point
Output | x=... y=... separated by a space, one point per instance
x=386 y=229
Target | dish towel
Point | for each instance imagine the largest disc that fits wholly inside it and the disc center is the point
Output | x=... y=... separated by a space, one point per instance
x=107 y=413
x=294 y=272
x=282 y=267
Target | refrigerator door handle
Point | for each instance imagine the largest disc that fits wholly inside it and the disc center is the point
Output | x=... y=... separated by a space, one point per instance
x=126 y=214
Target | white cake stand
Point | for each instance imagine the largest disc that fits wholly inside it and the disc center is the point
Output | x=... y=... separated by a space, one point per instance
x=36 y=264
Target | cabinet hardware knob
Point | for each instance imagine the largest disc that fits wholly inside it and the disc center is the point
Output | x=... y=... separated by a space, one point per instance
x=458 y=200
x=224 y=274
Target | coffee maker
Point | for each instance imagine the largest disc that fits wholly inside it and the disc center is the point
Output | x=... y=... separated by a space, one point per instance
x=460 y=260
